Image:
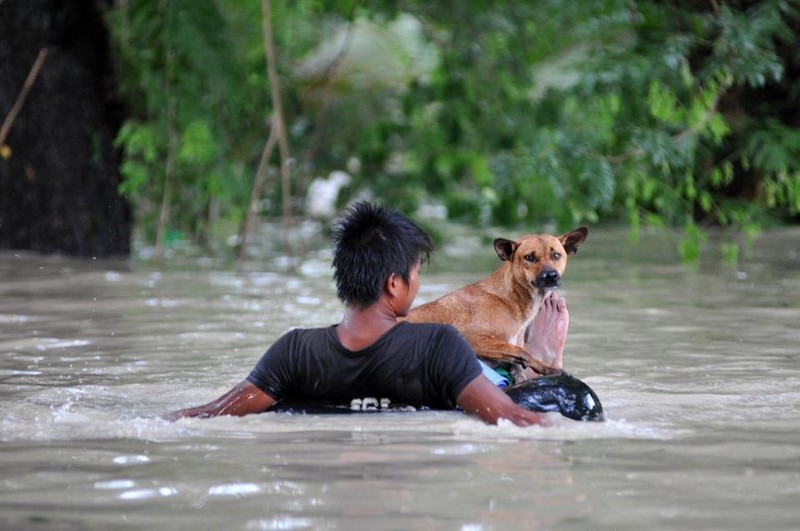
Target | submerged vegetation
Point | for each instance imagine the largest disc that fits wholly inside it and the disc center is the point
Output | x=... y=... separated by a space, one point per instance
x=680 y=114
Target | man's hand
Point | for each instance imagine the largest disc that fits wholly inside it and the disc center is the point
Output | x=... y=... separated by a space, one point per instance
x=485 y=400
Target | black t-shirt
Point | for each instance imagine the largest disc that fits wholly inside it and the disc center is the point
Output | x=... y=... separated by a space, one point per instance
x=419 y=365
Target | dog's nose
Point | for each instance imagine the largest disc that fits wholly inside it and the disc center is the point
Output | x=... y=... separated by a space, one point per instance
x=548 y=279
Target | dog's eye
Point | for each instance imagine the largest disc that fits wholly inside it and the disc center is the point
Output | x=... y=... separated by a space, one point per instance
x=530 y=258
x=556 y=256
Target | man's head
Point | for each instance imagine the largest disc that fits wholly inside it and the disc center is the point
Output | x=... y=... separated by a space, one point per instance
x=370 y=243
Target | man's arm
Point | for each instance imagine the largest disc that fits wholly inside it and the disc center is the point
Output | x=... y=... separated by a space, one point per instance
x=485 y=400
x=243 y=399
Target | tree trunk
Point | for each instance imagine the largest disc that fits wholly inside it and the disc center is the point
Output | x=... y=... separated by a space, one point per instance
x=59 y=169
x=277 y=135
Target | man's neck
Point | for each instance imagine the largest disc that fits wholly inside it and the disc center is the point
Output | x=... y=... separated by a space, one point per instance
x=359 y=328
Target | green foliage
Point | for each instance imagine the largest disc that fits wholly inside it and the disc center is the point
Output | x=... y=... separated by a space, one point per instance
x=684 y=145
x=178 y=55
x=775 y=151
x=679 y=114
x=141 y=144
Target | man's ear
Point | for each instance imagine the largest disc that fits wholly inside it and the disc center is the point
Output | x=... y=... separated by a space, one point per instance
x=393 y=284
x=505 y=248
x=572 y=240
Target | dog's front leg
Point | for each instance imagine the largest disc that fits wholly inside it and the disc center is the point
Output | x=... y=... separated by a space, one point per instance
x=497 y=352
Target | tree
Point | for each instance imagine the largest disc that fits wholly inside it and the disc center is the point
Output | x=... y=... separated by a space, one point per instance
x=181 y=77
x=679 y=113
x=694 y=104
x=59 y=170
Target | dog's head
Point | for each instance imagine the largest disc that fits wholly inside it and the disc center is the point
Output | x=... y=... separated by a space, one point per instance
x=539 y=260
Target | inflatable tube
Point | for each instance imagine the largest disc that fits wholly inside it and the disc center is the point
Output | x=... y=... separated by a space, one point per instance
x=561 y=393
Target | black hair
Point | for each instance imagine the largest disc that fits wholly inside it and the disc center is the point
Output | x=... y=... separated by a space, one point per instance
x=370 y=243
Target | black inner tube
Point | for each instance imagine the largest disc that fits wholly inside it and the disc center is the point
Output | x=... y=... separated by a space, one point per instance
x=562 y=393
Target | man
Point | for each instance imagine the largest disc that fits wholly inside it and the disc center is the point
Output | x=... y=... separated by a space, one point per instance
x=377 y=255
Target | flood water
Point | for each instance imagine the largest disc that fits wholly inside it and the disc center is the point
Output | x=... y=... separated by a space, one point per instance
x=698 y=370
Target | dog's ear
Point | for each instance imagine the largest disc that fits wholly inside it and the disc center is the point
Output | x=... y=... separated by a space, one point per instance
x=572 y=240
x=505 y=248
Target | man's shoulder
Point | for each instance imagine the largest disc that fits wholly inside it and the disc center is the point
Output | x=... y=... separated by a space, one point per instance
x=300 y=337
x=308 y=332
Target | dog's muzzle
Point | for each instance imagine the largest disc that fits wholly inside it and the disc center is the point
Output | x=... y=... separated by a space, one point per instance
x=549 y=279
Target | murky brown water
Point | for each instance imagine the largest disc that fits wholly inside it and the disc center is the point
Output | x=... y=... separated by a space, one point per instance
x=698 y=370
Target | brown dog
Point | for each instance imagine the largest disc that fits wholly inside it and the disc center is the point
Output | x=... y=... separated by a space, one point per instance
x=495 y=313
